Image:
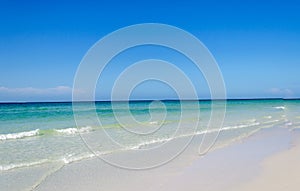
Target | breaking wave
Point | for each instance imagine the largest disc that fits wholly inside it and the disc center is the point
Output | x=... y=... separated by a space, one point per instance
x=72 y=131
x=19 y=135
x=38 y=132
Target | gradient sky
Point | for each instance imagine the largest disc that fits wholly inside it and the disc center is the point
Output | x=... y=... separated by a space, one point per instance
x=256 y=43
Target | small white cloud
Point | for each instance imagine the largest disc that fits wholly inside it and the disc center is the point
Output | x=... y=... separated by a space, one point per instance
x=281 y=92
x=34 y=94
x=31 y=90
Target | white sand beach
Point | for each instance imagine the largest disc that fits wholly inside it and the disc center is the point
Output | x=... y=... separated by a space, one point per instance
x=279 y=172
x=267 y=160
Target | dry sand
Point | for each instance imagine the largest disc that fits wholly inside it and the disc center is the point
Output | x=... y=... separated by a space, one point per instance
x=279 y=172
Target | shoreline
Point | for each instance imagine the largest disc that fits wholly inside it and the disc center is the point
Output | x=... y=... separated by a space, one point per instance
x=233 y=167
x=237 y=165
x=250 y=162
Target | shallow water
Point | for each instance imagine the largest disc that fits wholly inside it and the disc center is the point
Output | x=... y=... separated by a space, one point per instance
x=33 y=134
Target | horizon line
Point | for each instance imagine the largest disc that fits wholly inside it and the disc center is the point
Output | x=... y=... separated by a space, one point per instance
x=137 y=100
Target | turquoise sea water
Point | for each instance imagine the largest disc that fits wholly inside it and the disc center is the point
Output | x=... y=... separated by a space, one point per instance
x=37 y=133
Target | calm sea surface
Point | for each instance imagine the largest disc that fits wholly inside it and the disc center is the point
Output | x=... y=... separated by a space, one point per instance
x=37 y=133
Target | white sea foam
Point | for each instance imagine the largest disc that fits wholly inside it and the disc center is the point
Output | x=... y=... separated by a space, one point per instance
x=272 y=121
x=251 y=121
x=268 y=117
x=72 y=131
x=280 y=107
x=66 y=160
x=19 y=135
x=73 y=158
x=70 y=158
x=37 y=132
x=163 y=140
x=150 y=142
x=153 y=122
x=21 y=165
x=239 y=126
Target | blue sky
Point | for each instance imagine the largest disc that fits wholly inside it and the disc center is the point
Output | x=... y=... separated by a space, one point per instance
x=256 y=43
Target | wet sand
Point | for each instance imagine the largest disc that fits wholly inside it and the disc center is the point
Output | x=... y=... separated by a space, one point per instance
x=267 y=160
